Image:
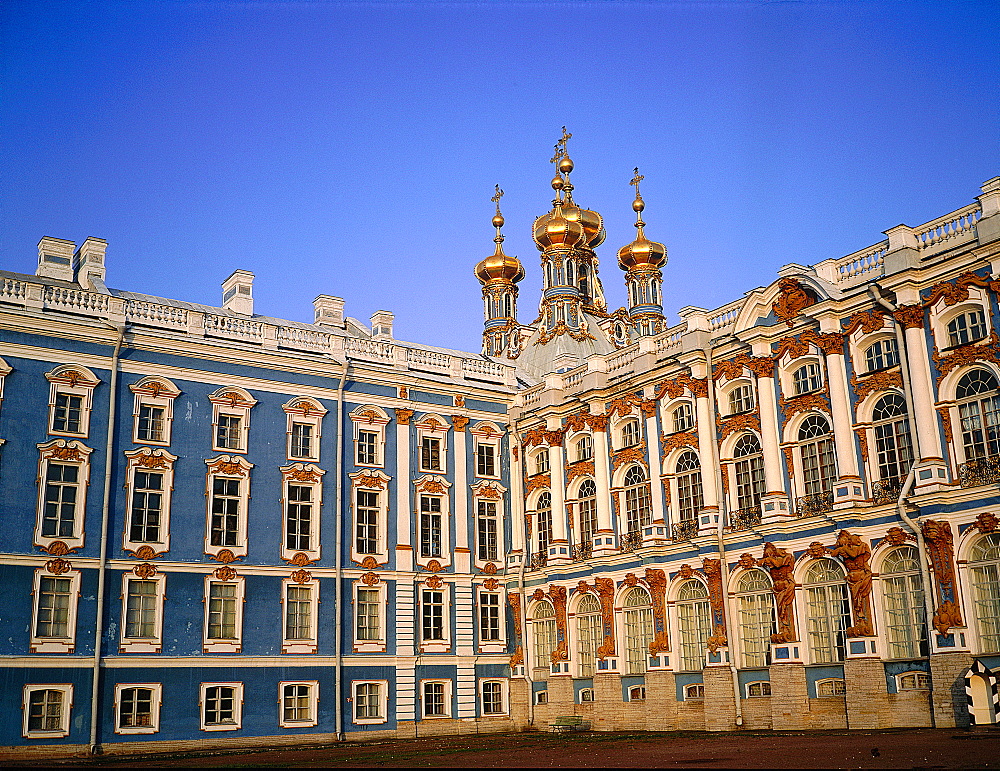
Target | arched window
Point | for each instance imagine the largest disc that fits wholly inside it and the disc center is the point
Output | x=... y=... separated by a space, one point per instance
x=637 y=502
x=584 y=282
x=893 y=453
x=741 y=399
x=756 y=609
x=543 y=627
x=828 y=611
x=689 y=496
x=807 y=378
x=630 y=433
x=819 y=464
x=882 y=354
x=749 y=473
x=966 y=328
x=694 y=622
x=588 y=511
x=979 y=408
x=543 y=521
x=638 y=611
x=588 y=633
x=585 y=447
x=903 y=593
x=683 y=417
x=542 y=461
x=984 y=563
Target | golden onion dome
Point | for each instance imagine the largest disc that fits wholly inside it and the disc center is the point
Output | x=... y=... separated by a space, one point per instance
x=499 y=266
x=641 y=253
x=592 y=222
x=556 y=229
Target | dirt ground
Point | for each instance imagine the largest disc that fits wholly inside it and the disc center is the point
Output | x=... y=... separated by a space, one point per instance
x=827 y=749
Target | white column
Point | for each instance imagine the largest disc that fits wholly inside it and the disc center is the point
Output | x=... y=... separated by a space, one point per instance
x=559 y=548
x=774 y=503
x=707 y=450
x=843 y=435
x=602 y=478
x=923 y=394
x=653 y=456
x=404 y=515
x=516 y=503
x=461 y=547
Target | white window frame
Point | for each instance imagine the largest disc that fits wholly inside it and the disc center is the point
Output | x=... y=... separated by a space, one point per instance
x=487 y=492
x=504 y=696
x=447 y=697
x=237 y=707
x=143 y=644
x=302 y=475
x=540 y=462
x=236 y=402
x=432 y=427
x=814 y=377
x=67 y=644
x=691 y=692
x=433 y=486
x=918 y=675
x=308 y=644
x=5 y=369
x=764 y=685
x=156 y=701
x=72 y=380
x=154 y=392
x=228 y=467
x=585 y=696
x=383 y=698
x=486 y=435
x=151 y=461
x=374 y=420
x=730 y=397
x=837 y=685
x=66 y=453
x=313 y=686
x=67 y=707
x=377 y=645
x=637 y=693
x=500 y=644
x=943 y=316
x=620 y=433
x=371 y=482
x=310 y=412
x=442 y=645
x=224 y=645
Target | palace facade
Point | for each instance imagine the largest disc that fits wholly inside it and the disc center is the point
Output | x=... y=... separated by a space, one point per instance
x=228 y=529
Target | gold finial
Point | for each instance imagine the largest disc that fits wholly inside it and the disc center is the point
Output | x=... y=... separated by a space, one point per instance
x=498 y=217
x=638 y=204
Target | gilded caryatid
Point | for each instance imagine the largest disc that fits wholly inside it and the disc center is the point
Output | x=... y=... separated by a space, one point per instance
x=642 y=260
x=499 y=274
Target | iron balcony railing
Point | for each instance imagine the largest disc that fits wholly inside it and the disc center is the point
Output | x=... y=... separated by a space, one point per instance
x=808 y=505
x=538 y=560
x=582 y=551
x=684 y=530
x=744 y=519
x=631 y=541
x=982 y=471
x=887 y=490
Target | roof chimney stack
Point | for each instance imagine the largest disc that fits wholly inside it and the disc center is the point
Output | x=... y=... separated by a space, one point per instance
x=55 y=258
x=237 y=293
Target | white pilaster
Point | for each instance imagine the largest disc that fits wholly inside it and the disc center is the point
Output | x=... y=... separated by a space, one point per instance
x=461 y=548
x=559 y=548
x=604 y=540
x=404 y=516
x=774 y=503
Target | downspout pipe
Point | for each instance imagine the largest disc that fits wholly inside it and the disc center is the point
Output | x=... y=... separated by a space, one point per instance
x=723 y=564
x=339 y=557
x=523 y=611
x=102 y=565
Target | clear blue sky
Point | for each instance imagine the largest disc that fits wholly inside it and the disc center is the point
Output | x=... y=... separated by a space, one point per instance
x=351 y=148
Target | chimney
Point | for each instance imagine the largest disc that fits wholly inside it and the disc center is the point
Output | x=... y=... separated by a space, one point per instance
x=237 y=293
x=55 y=258
x=329 y=311
x=88 y=262
x=382 y=325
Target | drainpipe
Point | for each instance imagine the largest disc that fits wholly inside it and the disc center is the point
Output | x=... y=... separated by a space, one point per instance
x=875 y=291
x=102 y=565
x=723 y=565
x=524 y=600
x=339 y=560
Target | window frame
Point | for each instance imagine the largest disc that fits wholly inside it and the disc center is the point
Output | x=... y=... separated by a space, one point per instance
x=71 y=380
x=63 y=452
x=432 y=427
x=488 y=494
x=738 y=395
x=446 y=697
x=306 y=411
x=154 y=392
x=373 y=420
x=811 y=381
x=499 y=644
x=313 y=696
x=305 y=645
x=156 y=702
x=434 y=644
x=228 y=467
x=694 y=692
x=233 y=402
x=383 y=702
x=154 y=643
x=233 y=644
x=876 y=361
x=237 y=723
x=487 y=435
x=837 y=685
x=764 y=685
x=504 y=688
x=918 y=675
x=152 y=461
x=376 y=644
x=50 y=644
x=432 y=486
x=66 y=689
x=309 y=476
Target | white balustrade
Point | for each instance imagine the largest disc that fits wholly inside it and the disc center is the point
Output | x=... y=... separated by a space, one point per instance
x=231 y=327
x=12 y=289
x=303 y=339
x=372 y=350
x=621 y=359
x=421 y=359
x=947 y=228
x=725 y=316
x=481 y=367
x=865 y=264
x=155 y=315
x=75 y=300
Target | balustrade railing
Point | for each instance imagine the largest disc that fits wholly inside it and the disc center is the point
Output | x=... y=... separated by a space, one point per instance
x=306 y=339
x=155 y=315
x=862 y=263
x=228 y=326
x=481 y=367
x=630 y=541
x=76 y=299
x=886 y=490
x=744 y=519
x=582 y=551
x=725 y=316
x=684 y=530
x=373 y=350
x=538 y=560
x=982 y=471
x=808 y=505
x=418 y=358
x=948 y=227
x=13 y=289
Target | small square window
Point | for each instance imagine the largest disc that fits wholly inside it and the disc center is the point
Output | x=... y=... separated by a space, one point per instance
x=46 y=710
x=831 y=687
x=761 y=688
x=494 y=697
x=221 y=706
x=302 y=440
x=637 y=693
x=367 y=448
x=586 y=695
x=137 y=708
x=694 y=691
x=486 y=460
x=298 y=704
x=430 y=453
x=914 y=681
x=541 y=697
x=370 y=701
x=436 y=698
x=228 y=432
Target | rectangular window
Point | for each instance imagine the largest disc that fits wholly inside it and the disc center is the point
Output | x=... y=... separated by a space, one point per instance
x=152 y=424
x=298 y=613
x=367 y=515
x=298 y=704
x=225 y=522
x=137 y=708
x=432 y=615
x=222 y=614
x=493 y=701
x=435 y=704
x=367 y=448
x=489 y=617
x=67 y=417
x=228 y=432
x=47 y=710
x=55 y=596
x=302 y=440
x=368 y=615
x=486 y=460
x=299 y=518
x=146 y=508
x=62 y=484
x=486 y=529
x=430 y=526
x=369 y=702
x=221 y=706
x=141 y=605
x=430 y=453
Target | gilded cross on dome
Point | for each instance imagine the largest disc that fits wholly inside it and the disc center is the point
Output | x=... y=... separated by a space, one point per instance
x=636 y=179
